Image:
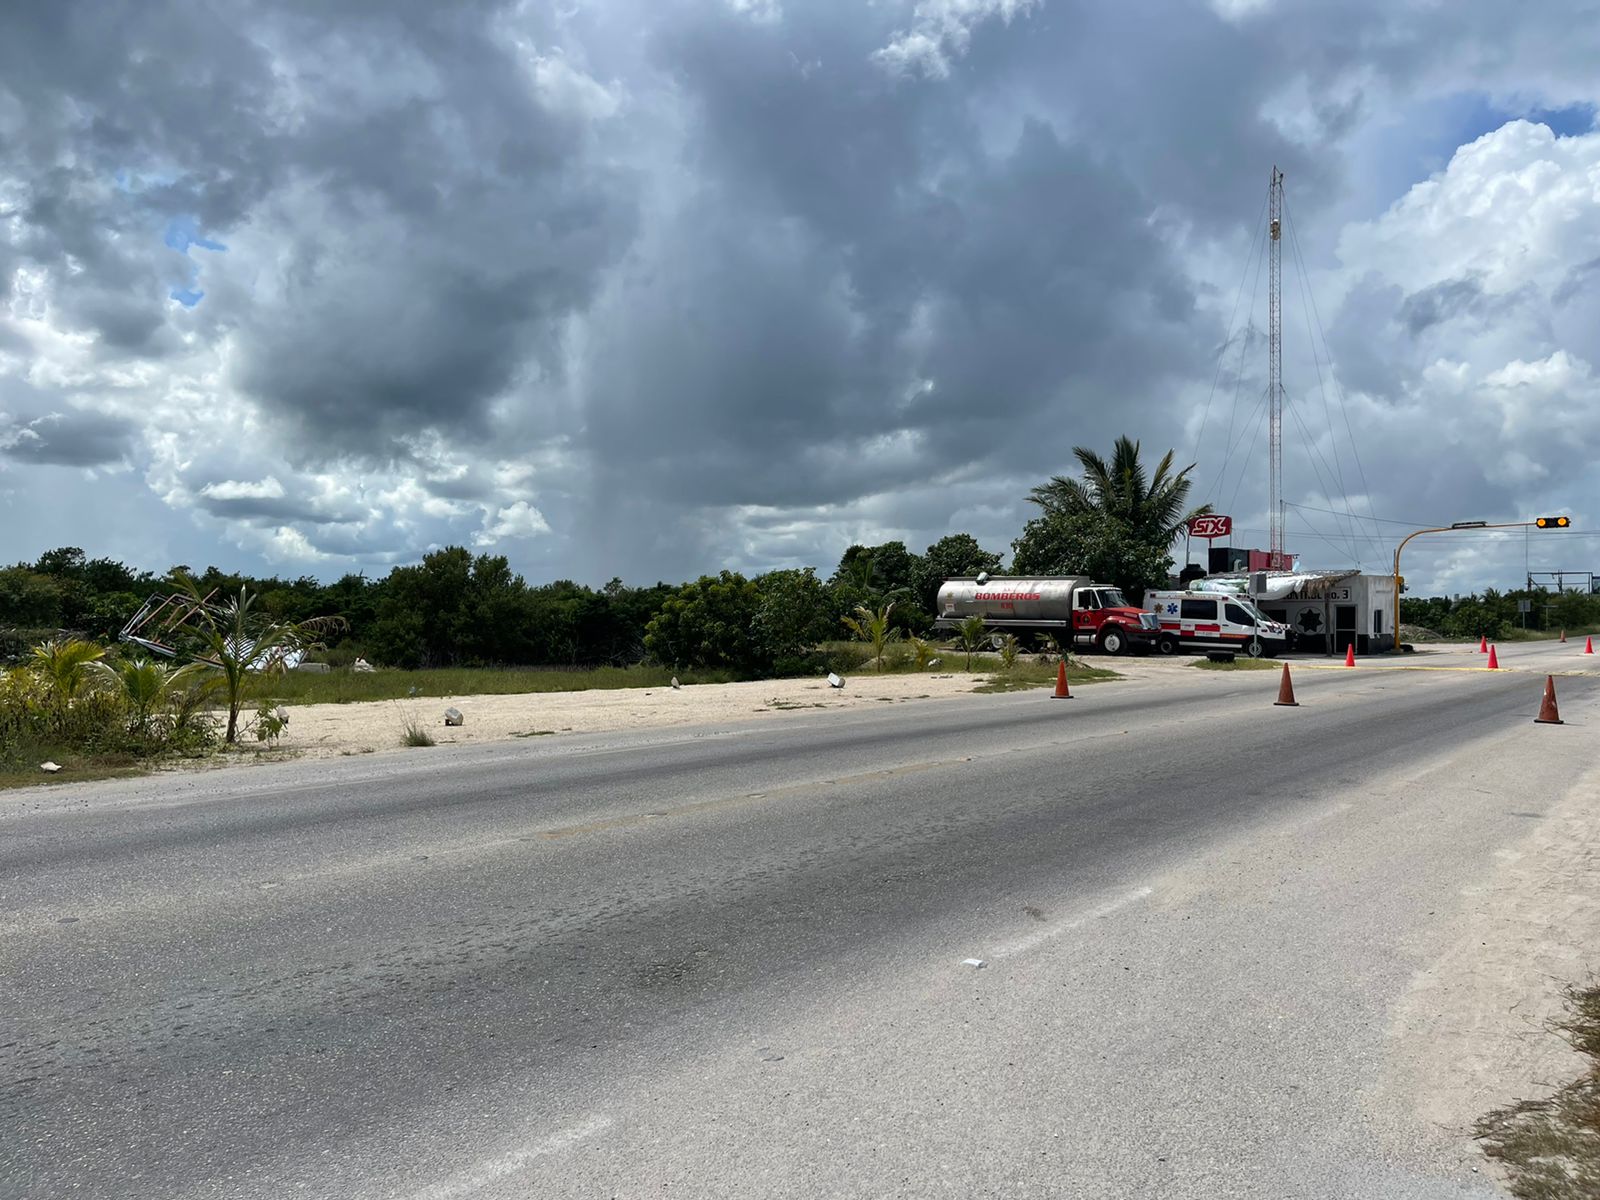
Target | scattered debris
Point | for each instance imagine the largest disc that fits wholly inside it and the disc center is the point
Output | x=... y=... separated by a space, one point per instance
x=935 y=662
x=362 y=665
x=976 y=964
x=834 y=681
x=675 y=684
x=452 y=716
x=52 y=767
x=314 y=668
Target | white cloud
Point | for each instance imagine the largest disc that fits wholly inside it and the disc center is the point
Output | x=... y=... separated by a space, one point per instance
x=1239 y=10
x=941 y=30
x=1515 y=207
x=564 y=88
x=763 y=12
x=232 y=489
x=517 y=520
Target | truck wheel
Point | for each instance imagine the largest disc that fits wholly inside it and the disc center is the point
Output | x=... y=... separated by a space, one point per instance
x=1113 y=642
x=997 y=641
x=1254 y=648
x=1166 y=644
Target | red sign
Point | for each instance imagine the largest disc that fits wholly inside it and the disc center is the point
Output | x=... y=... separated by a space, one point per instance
x=1210 y=527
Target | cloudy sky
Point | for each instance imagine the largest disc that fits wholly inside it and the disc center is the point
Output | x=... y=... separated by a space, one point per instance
x=652 y=287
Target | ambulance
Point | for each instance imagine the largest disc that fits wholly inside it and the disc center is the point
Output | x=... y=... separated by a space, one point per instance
x=1201 y=621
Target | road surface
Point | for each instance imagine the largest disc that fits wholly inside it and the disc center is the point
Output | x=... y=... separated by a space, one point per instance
x=731 y=961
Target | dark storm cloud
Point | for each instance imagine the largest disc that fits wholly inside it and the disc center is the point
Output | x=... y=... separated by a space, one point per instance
x=872 y=263
x=449 y=220
x=1442 y=301
x=70 y=439
x=272 y=510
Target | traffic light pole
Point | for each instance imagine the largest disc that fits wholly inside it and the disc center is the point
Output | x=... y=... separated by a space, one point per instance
x=1541 y=523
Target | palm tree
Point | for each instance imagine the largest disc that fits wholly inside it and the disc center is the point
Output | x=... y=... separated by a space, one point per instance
x=238 y=641
x=873 y=628
x=144 y=684
x=64 y=664
x=972 y=633
x=1151 y=508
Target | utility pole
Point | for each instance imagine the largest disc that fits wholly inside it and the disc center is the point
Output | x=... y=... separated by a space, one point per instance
x=1275 y=373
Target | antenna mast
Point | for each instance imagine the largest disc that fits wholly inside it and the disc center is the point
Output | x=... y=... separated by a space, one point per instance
x=1275 y=371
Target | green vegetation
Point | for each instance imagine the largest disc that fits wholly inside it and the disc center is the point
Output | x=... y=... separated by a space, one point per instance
x=1494 y=615
x=242 y=643
x=1008 y=652
x=344 y=686
x=94 y=718
x=971 y=637
x=1037 y=674
x=1116 y=524
x=413 y=733
x=1551 y=1147
x=873 y=628
x=1239 y=664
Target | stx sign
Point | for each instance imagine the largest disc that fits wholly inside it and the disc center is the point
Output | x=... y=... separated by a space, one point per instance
x=1210 y=527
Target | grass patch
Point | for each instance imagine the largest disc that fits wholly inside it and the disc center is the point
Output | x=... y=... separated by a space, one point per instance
x=1551 y=1147
x=1515 y=634
x=1239 y=664
x=413 y=734
x=1030 y=674
x=21 y=768
x=343 y=686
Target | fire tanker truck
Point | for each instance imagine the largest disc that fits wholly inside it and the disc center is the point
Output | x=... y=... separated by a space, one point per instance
x=1072 y=608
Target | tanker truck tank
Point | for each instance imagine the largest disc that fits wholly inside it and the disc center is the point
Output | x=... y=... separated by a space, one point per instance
x=1072 y=608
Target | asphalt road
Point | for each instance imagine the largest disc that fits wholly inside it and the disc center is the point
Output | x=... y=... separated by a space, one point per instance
x=730 y=961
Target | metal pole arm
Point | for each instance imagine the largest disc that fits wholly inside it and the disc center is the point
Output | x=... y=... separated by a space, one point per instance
x=1438 y=529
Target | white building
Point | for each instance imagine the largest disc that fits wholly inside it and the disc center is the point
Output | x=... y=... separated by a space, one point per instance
x=1328 y=610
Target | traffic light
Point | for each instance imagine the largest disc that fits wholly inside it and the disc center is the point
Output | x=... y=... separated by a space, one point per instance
x=1553 y=522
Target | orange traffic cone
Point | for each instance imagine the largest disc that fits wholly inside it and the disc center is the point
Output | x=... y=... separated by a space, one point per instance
x=1061 y=683
x=1286 y=691
x=1494 y=663
x=1483 y=644
x=1588 y=645
x=1547 y=711
x=1349 y=656
x=1563 y=635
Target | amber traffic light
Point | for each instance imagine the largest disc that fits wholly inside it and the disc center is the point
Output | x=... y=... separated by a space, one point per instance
x=1553 y=522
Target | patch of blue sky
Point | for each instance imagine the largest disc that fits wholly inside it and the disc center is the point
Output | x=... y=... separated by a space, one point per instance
x=184 y=232
x=1478 y=114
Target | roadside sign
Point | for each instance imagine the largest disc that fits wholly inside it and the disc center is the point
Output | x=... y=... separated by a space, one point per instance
x=1524 y=606
x=1210 y=527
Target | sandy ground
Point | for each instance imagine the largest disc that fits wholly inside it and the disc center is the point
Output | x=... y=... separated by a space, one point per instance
x=330 y=730
x=1472 y=1034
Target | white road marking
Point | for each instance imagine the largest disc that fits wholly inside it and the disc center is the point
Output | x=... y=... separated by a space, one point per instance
x=496 y=1169
x=1038 y=938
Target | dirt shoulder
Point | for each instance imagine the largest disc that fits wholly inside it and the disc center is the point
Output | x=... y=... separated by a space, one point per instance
x=1473 y=1034
x=331 y=730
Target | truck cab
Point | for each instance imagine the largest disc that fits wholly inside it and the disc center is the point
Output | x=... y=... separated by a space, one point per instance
x=1200 y=621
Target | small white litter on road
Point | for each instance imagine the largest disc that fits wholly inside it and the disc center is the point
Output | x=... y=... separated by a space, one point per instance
x=976 y=963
